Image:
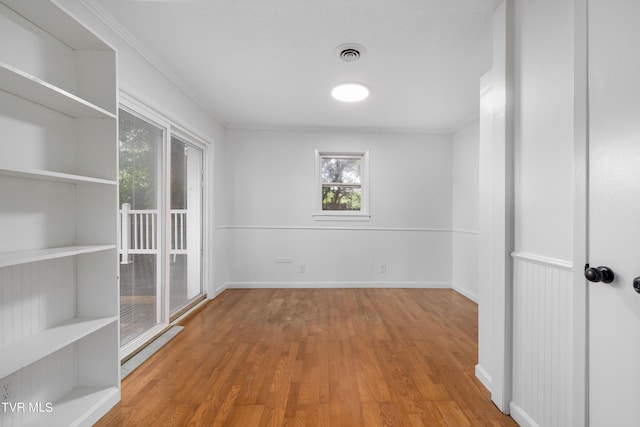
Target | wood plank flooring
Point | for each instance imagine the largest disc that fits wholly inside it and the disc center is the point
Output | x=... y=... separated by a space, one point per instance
x=316 y=357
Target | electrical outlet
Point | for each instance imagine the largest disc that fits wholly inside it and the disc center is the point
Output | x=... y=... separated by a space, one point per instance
x=6 y=389
x=383 y=268
x=302 y=268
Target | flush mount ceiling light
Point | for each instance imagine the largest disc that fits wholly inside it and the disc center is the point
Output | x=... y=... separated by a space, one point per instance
x=350 y=92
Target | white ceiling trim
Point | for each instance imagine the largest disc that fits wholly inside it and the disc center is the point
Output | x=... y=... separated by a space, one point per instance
x=142 y=50
x=165 y=118
x=464 y=123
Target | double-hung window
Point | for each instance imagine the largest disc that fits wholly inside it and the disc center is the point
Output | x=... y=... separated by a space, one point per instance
x=342 y=185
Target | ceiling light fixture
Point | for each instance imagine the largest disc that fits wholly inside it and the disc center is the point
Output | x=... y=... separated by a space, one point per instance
x=350 y=92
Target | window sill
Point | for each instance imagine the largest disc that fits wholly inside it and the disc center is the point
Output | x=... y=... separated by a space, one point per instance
x=341 y=216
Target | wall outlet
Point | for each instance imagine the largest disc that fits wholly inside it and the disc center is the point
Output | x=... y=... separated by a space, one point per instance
x=6 y=389
x=302 y=268
x=383 y=268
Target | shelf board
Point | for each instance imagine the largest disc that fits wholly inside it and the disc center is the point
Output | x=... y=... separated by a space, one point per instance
x=16 y=356
x=77 y=407
x=22 y=257
x=53 y=176
x=52 y=19
x=32 y=88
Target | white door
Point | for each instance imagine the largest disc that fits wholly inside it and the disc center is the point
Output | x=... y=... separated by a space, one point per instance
x=140 y=190
x=614 y=211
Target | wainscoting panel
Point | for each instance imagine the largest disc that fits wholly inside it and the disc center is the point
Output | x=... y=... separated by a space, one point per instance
x=346 y=256
x=464 y=271
x=542 y=341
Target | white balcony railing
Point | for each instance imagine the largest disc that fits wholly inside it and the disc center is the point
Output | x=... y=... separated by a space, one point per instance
x=139 y=232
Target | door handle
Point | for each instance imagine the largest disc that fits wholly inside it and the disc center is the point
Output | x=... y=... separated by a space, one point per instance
x=601 y=274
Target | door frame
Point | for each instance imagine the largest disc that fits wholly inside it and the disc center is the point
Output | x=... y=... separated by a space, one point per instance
x=503 y=182
x=496 y=214
x=580 y=366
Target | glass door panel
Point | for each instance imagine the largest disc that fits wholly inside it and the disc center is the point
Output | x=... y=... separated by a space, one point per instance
x=185 y=257
x=140 y=179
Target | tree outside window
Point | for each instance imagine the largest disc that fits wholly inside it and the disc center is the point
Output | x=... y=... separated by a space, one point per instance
x=342 y=186
x=341 y=183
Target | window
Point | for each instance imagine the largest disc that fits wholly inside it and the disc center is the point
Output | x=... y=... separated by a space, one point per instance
x=342 y=186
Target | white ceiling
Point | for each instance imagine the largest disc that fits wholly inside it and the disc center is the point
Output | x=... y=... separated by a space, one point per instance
x=272 y=63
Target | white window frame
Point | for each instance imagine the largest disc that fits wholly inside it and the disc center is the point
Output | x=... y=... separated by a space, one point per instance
x=327 y=215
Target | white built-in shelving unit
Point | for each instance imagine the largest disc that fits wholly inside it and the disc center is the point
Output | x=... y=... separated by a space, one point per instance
x=59 y=334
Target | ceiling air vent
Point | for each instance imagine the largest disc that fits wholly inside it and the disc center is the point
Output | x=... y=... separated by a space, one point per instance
x=350 y=52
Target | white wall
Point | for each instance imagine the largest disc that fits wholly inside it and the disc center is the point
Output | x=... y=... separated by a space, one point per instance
x=542 y=283
x=142 y=80
x=465 y=171
x=219 y=258
x=544 y=128
x=271 y=180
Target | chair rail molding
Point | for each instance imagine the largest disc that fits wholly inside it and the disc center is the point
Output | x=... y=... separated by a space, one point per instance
x=543 y=260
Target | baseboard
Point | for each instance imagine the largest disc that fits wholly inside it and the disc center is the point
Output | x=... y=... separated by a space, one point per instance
x=464 y=292
x=521 y=417
x=217 y=291
x=483 y=376
x=313 y=285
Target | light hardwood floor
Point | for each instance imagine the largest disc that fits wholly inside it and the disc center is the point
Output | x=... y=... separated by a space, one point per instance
x=316 y=357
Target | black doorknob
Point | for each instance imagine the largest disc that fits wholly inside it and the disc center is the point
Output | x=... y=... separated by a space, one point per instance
x=599 y=274
x=636 y=284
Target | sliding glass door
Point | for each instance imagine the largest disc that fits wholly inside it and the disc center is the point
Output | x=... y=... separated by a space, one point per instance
x=141 y=160
x=185 y=267
x=161 y=211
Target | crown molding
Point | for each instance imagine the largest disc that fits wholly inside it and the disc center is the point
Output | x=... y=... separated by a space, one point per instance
x=107 y=19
